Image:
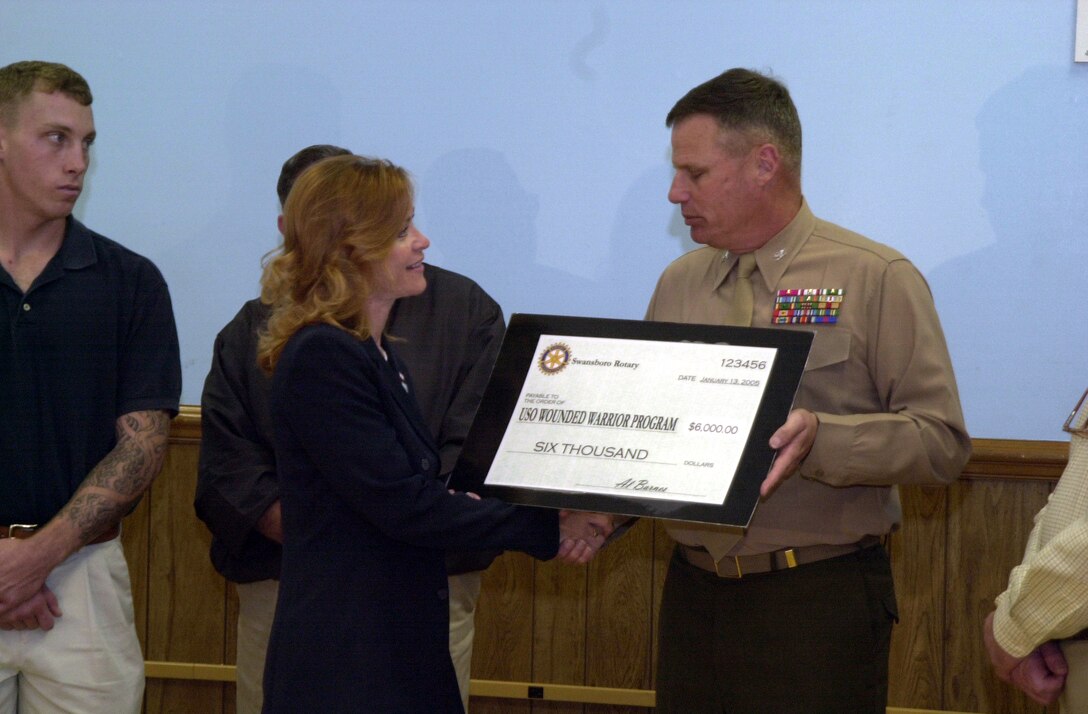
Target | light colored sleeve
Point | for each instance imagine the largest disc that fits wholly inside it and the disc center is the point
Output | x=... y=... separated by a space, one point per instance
x=1047 y=595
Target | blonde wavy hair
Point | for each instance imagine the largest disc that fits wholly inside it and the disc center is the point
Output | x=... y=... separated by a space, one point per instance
x=339 y=223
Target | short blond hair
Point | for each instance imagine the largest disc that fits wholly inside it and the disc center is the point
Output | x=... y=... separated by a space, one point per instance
x=19 y=79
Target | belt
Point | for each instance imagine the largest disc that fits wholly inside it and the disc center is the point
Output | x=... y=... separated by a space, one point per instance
x=22 y=531
x=739 y=566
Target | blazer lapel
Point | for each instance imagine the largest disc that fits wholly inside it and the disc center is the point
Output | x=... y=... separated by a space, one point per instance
x=406 y=401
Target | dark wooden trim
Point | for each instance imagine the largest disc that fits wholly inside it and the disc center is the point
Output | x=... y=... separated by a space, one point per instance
x=185 y=429
x=1015 y=459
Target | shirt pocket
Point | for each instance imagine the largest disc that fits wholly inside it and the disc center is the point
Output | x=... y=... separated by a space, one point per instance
x=830 y=348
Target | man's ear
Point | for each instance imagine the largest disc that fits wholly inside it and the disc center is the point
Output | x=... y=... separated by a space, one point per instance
x=768 y=163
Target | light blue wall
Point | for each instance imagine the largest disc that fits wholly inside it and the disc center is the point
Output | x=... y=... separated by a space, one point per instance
x=956 y=132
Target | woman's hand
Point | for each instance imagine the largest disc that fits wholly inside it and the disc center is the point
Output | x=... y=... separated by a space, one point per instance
x=582 y=534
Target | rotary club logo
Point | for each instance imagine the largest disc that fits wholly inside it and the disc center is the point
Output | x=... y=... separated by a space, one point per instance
x=554 y=358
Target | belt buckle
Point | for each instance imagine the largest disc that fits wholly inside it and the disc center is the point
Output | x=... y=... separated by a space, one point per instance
x=791 y=558
x=736 y=564
x=16 y=527
x=789 y=555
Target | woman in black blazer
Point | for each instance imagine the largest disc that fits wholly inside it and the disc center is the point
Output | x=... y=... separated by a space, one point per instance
x=361 y=622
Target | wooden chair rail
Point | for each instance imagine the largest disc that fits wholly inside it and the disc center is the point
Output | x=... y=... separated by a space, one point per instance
x=1031 y=460
x=190 y=671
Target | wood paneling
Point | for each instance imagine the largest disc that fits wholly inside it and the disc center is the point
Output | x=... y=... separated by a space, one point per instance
x=503 y=644
x=180 y=601
x=919 y=559
x=188 y=621
x=135 y=538
x=619 y=634
x=988 y=527
x=559 y=629
x=595 y=626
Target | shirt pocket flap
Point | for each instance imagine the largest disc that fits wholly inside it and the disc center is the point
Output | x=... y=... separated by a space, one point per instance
x=830 y=347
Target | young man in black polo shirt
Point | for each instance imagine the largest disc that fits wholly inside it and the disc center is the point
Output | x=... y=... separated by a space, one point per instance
x=89 y=379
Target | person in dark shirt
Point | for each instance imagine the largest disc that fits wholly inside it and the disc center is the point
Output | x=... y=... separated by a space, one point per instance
x=90 y=377
x=449 y=337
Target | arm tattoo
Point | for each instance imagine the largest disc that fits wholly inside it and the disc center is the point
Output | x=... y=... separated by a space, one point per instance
x=88 y=511
x=115 y=484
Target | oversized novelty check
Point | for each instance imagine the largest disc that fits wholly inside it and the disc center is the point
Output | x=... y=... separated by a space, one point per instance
x=633 y=417
x=667 y=420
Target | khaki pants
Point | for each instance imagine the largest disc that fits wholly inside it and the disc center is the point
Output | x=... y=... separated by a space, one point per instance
x=1074 y=698
x=90 y=662
x=464 y=592
x=257 y=606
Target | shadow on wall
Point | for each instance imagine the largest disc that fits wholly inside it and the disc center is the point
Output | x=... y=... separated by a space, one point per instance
x=1018 y=305
x=642 y=244
x=480 y=215
x=483 y=219
x=262 y=126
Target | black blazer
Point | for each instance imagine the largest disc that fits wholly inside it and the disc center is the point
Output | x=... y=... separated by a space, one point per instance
x=451 y=337
x=362 y=619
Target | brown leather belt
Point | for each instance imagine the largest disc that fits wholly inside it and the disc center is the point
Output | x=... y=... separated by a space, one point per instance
x=739 y=566
x=22 y=531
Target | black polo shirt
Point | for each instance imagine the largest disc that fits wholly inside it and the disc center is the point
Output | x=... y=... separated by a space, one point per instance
x=93 y=338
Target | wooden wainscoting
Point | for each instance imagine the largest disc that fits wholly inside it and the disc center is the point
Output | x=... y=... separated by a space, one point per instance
x=185 y=612
x=591 y=630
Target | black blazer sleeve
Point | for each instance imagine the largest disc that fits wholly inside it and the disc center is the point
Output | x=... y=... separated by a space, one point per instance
x=342 y=409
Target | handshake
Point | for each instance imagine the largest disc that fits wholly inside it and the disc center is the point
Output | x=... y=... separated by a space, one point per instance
x=582 y=534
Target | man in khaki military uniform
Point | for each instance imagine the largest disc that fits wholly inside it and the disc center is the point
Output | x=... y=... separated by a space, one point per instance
x=796 y=615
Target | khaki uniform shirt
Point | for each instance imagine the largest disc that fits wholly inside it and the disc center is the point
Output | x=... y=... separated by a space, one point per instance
x=1047 y=597
x=879 y=380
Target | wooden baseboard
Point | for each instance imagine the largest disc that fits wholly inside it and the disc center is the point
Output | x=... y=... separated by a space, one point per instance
x=530 y=691
x=561 y=693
